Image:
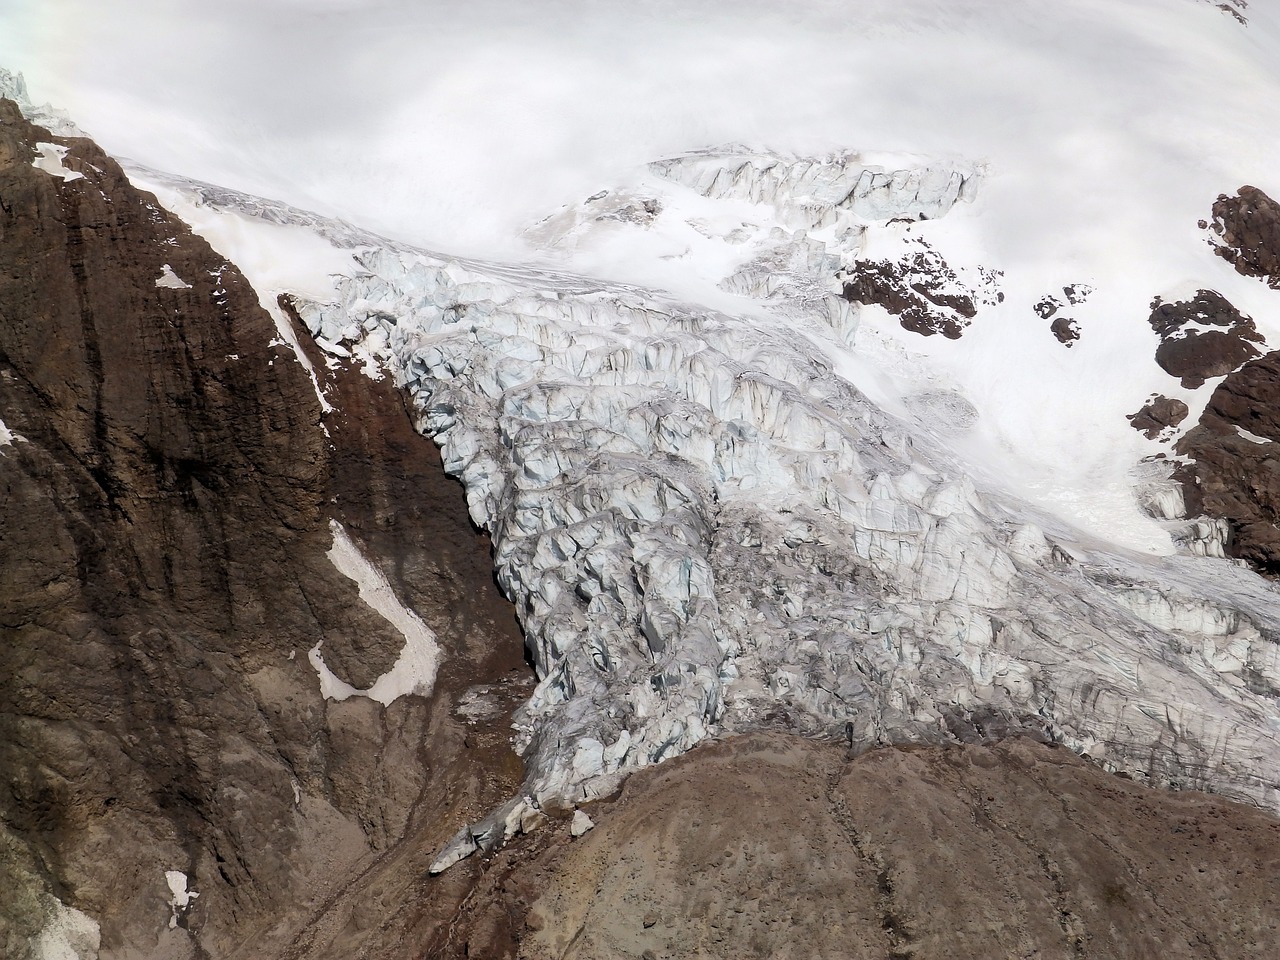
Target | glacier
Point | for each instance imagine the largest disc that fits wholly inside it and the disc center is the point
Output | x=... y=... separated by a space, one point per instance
x=707 y=529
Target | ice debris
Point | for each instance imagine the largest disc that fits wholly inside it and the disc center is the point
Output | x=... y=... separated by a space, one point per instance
x=580 y=823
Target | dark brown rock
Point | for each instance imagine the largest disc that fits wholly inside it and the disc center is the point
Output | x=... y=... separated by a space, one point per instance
x=163 y=572
x=921 y=290
x=1046 y=307
x=772 y=846
x=1246 y=231
x=1195 y=355
x=1066 y=330
x=1235 y=477
x=1207 y=307
x=1157 y=415
x=1077 y=293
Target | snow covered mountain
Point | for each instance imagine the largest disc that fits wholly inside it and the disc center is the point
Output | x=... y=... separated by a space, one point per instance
x=944 y=417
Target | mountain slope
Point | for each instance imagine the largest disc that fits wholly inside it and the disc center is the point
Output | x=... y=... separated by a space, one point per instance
x=911 y=448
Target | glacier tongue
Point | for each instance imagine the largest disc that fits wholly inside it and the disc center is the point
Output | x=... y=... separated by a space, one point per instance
x=705 y=529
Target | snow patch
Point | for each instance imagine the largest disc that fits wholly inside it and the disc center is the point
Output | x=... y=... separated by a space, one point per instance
x=170 y=280
x=8 y=437
x=414 y=672
x=180 y=896
x=1251 y=437
x=51 y=161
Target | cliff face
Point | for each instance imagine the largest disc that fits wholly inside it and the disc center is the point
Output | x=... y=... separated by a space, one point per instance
x=167 y=488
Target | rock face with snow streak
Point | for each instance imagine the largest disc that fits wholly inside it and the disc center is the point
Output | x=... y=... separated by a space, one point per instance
x=166 y=493
x=705 y=529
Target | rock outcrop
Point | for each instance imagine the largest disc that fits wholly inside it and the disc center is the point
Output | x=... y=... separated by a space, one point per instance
x=1203 y=337
x=1234 y=451
x=770 y=846
x=175 y=783
x=920 y=289
x=1246 y=231
x=1232 y=448
x=1159 y=416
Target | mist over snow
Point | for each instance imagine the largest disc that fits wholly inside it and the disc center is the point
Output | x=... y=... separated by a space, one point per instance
x=458 y=124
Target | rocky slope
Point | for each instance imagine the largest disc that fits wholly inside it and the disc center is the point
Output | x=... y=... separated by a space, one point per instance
x=771 y=846
x=175 y=783
x=1233 y=473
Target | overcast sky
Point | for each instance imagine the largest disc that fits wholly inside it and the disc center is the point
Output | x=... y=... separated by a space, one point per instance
x=454 y=122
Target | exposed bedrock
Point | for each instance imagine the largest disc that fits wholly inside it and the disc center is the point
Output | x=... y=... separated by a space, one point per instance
x=1203 y=337
x=1235 y=469
x=771 y=846
x=1065 y=330
x=922 y=290
x=175 y=784
x=1159 y=416
x=1246 y=231
x=1233 y=474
